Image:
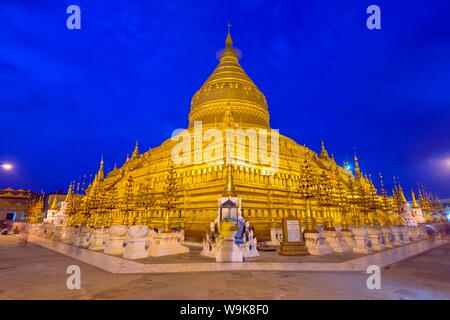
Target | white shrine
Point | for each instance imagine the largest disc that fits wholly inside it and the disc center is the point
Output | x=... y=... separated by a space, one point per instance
x=230 y=238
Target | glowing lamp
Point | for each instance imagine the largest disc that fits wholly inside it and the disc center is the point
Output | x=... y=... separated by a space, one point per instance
x=7 y=166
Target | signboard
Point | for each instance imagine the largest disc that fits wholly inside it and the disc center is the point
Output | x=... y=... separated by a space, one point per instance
x=293 y=230
x=293 y=243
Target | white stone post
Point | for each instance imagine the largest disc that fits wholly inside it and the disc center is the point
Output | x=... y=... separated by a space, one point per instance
x=396 y=232
x=83 y=237
x=97 y=240
x=59 y=231
x=334 y=239
x=405 y=234
x=116 y=237
x=315 y=242
x=347 y=237
x=166 y=243
x=360 y=237
x=386 y=235
x=41 y=230
x=70 y=234
x=374 y=235
x=135 y=249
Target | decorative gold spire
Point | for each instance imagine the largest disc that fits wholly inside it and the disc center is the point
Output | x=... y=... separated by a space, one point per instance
x=54 y=205
x=415 y=205
x=69 y=193
x=100 y=174
x=229 y=87
x=401 y=195
x=136 y=151
x=357 y=170
x=230 y=190
x=229 y=41
x=323 y=152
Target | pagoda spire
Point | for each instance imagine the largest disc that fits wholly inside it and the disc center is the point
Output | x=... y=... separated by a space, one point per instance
x=229 y=40
x=136 y=151
x=100 y=174
x=323 y=152
x=230 y=190
x=415 y=205
x=69 y=193
x=54 y=205
x=401 y=195
x=357 y=170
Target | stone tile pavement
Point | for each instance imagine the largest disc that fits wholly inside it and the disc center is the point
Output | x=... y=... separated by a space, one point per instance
x=28 y=271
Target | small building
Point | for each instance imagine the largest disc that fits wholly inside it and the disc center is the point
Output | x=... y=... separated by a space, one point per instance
x=53 y=204
x=446 y=206
x=13 y=204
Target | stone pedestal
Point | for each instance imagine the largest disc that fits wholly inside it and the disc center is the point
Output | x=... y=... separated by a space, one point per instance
x=228 y=251
x=69 y=235
x=347 y=237
x=59 y=232
x=49 y=230
x=166 y=243
x=150 y=237
x=396 y=233
x=83 y=237
x=27 y=228
x=386 y=237
x=360 y=238
x=413 y=234
x=116 y=237
x=405 y=234
x=41 y=230
x=335 y=240
x=35 y=228
x=135 y=248
x=97 y=240
x=374 y=236
x=315 y=242
x=422 y=231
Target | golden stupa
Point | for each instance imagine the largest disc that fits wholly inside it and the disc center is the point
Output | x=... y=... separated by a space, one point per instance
x=139 y=192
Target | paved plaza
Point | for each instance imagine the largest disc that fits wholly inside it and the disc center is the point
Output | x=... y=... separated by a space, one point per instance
x=32 y=272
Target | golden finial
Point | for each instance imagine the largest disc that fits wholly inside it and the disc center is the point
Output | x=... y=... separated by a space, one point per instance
x=229 y=41
x=401 y=195
x=357 y=170
x=100 y=174
x=69 y=193
x=415 y=205
x=136 y=150
x=323 y=152
x=54 y=205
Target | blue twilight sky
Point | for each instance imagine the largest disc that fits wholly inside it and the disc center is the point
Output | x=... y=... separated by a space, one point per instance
x=66 y=97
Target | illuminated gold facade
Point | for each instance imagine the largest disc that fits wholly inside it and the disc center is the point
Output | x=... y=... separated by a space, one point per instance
x=137 y=193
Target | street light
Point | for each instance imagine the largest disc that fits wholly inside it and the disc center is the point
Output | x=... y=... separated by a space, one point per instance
x=7 y=166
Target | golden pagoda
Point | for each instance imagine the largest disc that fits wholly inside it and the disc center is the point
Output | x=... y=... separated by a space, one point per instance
x=227 y=100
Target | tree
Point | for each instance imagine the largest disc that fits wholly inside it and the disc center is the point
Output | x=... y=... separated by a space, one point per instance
x=325 y=199
x=169 y=196
x=308 y=189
